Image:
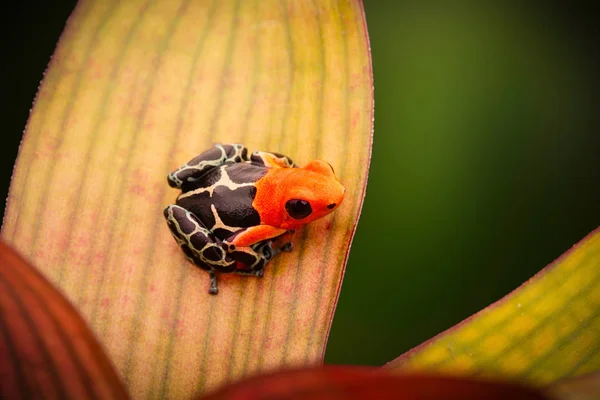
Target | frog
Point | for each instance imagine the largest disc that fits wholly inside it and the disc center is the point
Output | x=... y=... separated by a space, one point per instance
x=235 y=205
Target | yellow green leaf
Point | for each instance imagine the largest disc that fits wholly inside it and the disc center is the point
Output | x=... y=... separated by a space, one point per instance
x=134 y=90
x=548 y=328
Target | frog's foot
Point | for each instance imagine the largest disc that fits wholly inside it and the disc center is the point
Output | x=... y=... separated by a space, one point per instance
x=287 y=247
x=259 y=273
x=213 y=283
x=273 y=160
x=267 y=250
x=197 y=166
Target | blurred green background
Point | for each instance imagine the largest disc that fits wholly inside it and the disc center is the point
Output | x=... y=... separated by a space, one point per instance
x=485 y=162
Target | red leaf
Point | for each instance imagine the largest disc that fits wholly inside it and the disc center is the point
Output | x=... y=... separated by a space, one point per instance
x=345 y=382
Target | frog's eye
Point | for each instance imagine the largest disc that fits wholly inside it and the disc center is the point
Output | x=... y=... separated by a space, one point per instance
x=298 y=209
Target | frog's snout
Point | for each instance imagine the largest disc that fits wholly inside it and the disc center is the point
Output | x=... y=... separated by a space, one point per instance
x=338 y=198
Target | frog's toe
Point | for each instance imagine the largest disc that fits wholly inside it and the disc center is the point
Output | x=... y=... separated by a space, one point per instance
x=213 y=289
x=289 y=246
x=248 y=272
x=228 y=247
x=267 y=252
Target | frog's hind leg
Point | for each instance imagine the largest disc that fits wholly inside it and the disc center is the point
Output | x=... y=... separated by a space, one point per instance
x=198 y=243
x=261 y=254
x=197 y=166
x=252 y=246
x=272 y=160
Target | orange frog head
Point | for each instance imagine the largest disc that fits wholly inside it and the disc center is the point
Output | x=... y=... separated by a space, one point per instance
x=291 y=197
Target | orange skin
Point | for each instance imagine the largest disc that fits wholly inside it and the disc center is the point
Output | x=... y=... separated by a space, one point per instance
x=315 y=183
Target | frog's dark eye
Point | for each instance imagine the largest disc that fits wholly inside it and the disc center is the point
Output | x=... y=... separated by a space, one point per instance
x=298 y=209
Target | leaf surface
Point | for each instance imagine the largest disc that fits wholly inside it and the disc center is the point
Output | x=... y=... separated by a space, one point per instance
x=134 y=90
x=547 y=329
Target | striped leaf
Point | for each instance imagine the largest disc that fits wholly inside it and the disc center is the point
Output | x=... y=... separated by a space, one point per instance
x=46 y=349
x=134 y=90
x=547 y=329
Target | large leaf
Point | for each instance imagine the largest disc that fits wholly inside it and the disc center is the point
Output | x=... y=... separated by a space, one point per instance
x=549 y=328
x=136 y=89
x=46 y=349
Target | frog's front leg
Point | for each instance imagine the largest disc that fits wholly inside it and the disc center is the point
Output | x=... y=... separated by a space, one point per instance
x=272 y=160
x=198 y=165
x=253 y=247
x=199 y=244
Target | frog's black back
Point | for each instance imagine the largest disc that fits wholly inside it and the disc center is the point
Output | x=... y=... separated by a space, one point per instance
x=228 y=188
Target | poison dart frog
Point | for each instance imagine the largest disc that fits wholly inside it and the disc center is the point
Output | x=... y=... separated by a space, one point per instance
x=232 y=207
